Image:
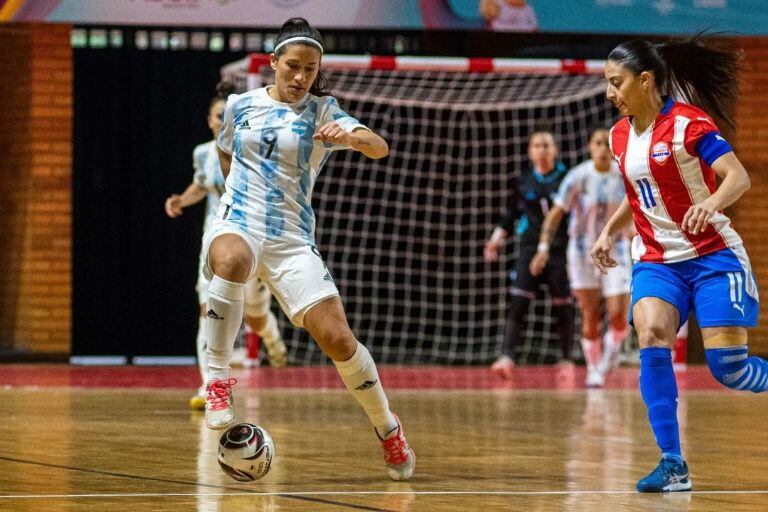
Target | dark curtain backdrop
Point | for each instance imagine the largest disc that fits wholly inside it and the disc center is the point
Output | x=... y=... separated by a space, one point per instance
x=137 y=116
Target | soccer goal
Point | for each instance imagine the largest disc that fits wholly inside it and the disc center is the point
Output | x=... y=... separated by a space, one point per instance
x=403 y=236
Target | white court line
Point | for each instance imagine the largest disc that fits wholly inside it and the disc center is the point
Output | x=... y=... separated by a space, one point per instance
x=358 y=493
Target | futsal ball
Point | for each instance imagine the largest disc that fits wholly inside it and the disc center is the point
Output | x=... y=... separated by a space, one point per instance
x=246 y=452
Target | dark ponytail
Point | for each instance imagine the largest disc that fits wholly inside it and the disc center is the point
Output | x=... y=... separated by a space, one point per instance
x=704 y=75
x=223 y=90
x=299 y=27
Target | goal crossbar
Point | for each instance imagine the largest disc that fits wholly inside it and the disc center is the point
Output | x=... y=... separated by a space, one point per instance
x=255 y=61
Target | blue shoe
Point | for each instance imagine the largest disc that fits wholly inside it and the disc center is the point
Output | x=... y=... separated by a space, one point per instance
x=669 y=476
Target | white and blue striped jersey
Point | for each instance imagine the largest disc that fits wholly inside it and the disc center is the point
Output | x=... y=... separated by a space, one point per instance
x=591 y=197
x=205 y=160
x=275 y=161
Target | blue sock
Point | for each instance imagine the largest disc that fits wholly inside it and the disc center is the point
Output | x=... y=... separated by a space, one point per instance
x=733 y=367
x=659 y=390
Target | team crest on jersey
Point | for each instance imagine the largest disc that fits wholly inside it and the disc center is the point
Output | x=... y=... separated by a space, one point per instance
x=660 y=152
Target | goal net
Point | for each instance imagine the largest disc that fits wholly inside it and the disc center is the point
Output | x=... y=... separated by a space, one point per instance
x=403 y=236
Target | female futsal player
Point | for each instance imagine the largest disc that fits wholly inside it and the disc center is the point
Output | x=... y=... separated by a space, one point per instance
x=272 y=145
x=208 y=182
x=688 y=254
x=531 y=201
x=591 y=192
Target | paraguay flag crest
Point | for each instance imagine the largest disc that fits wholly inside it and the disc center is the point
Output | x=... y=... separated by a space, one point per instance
x=660 y=152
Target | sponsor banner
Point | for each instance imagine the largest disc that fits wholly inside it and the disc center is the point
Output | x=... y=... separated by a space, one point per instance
x=247 y=13
x=589 y=16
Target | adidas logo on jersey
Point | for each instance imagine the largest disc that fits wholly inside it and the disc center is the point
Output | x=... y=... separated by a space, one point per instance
x=327 y=277
x=244 y=126
x=213 y=315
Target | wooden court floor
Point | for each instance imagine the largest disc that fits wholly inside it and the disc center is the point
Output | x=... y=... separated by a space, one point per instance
x=100 y=445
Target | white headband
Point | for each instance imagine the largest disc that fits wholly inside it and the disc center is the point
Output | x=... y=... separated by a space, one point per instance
x=298 y=39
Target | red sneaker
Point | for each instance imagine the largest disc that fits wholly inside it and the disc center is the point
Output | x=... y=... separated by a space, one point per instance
x=503 y=367
x=400 y=459
x=219 y=412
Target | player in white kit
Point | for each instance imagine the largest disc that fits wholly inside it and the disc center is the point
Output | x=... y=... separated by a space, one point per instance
x=208 y=182
x=273 y=143
x=591 y=192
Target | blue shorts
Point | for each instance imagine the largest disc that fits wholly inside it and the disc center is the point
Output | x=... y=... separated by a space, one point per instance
x=720 y=287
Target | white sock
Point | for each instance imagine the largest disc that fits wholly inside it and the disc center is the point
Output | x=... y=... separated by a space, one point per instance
x=591 y=349
x=202 y=349
x=225 y=314
x=362 y=380
x=270 y=333
x=616 y=337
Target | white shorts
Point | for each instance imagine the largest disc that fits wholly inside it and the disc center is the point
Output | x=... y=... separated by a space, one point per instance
x=202 y=283
x=584 y=275
x=294 y=272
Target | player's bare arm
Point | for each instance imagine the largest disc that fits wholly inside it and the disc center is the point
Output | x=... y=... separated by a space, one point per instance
x=735 y=183
x=601 y=251
x=361 y=139
x=549 y=227
x=176 y=203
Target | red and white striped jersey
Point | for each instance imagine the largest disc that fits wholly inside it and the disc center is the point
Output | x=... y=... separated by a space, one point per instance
x=666 y=169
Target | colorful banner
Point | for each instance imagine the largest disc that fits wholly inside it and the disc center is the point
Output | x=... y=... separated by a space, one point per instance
x=246 y=13
x=589 y=16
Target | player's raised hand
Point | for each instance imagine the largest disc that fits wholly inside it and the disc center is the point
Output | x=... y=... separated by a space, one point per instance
x=601 y=253
x=173 y=206
x=333 y=133
x=697 y=217
x=538 y=262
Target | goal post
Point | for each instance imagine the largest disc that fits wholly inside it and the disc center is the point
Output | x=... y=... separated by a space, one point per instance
x=403 y=236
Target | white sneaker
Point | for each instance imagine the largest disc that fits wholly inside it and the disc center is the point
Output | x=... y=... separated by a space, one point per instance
x=595 y=378
x=219 y=413
x=276 y=352
x=610 y=360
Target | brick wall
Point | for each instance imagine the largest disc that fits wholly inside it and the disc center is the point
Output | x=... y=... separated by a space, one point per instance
x=35 y=187
x=750 y=215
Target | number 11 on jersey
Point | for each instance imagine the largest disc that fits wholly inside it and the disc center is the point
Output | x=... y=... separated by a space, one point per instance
x=646 y=192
